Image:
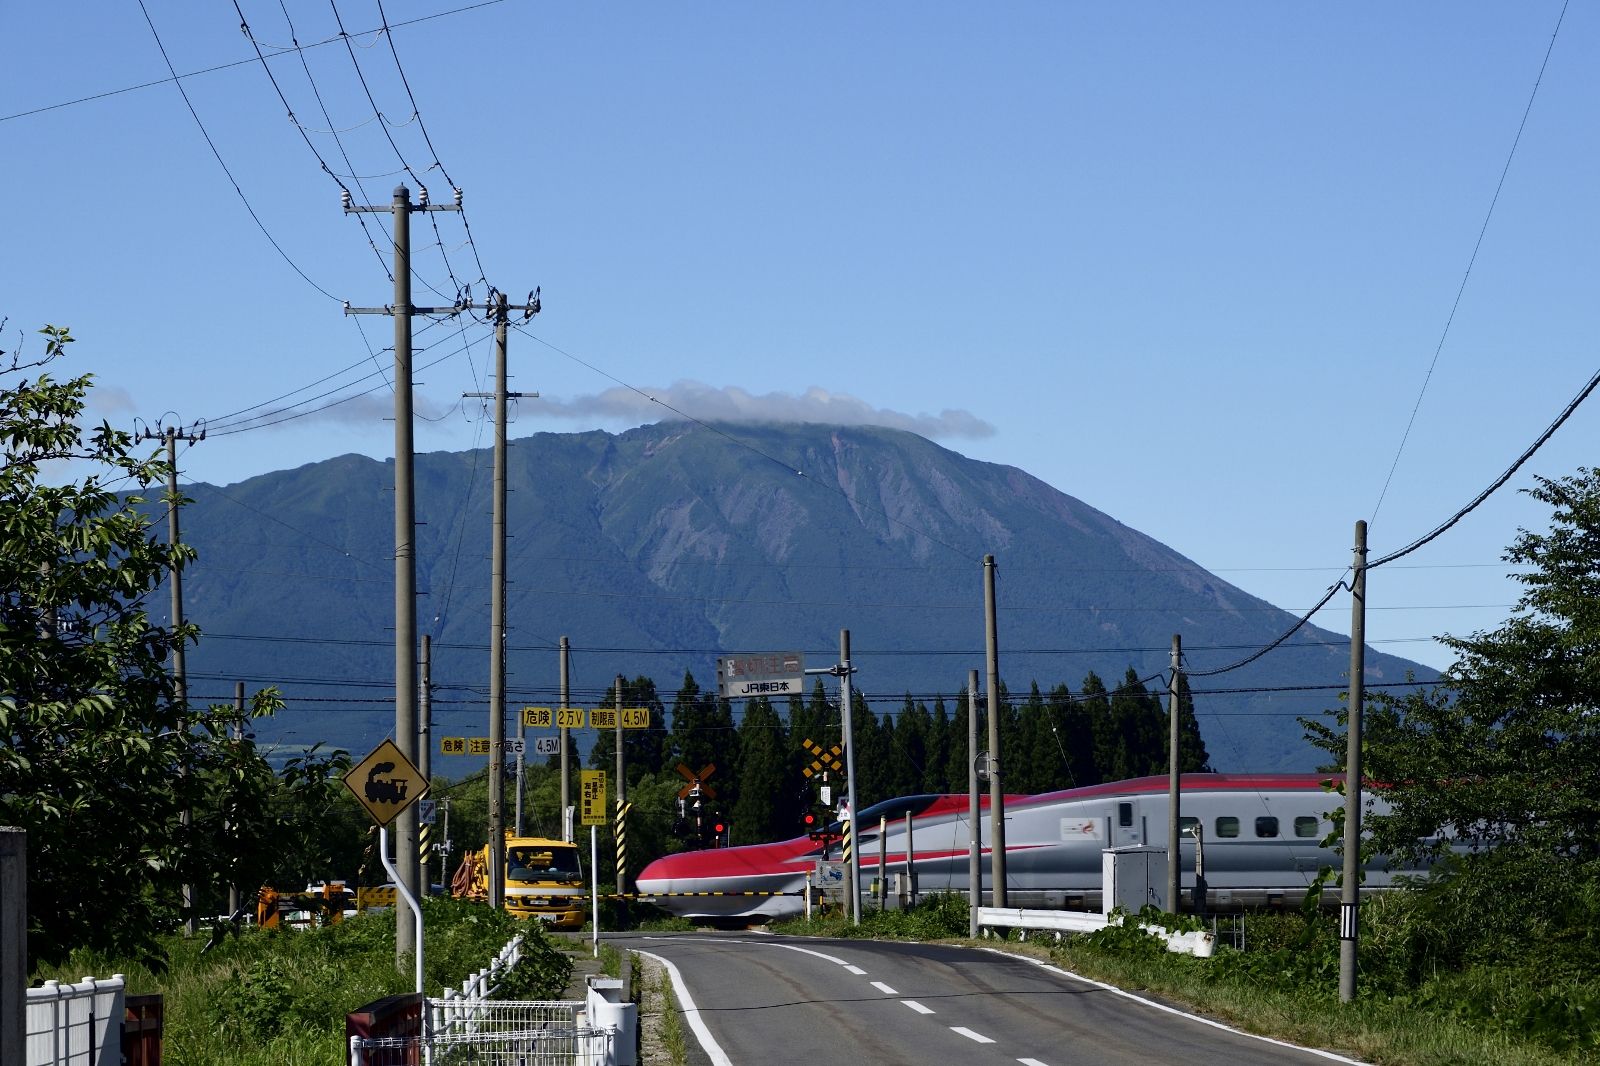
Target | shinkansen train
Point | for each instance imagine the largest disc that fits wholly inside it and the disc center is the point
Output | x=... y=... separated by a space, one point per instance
x=1261 y=835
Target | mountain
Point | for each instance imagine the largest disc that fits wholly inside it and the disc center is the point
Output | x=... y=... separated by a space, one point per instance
x=658 y=549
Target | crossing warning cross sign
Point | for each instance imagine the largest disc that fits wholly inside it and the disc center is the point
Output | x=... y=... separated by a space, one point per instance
x=385 y=782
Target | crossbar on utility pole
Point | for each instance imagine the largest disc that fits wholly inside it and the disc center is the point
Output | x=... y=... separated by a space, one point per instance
x=500 y=308
x=406 y=936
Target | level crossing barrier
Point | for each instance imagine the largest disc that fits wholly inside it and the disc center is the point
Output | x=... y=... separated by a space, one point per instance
x=1199 y=944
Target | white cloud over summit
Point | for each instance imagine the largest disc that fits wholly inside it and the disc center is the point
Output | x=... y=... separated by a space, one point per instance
x=707 y=403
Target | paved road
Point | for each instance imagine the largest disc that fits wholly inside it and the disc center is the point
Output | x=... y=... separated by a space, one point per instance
x=781 y=1000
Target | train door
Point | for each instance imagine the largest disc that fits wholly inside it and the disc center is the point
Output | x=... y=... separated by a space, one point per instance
x=1127 y=827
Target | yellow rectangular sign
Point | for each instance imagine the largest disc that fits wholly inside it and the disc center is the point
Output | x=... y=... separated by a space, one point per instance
x=452 y=745
x=477 y=745
x=603 y=718
x=592 y=797
x=569 y=717
x=636 y=718
x=536 y=718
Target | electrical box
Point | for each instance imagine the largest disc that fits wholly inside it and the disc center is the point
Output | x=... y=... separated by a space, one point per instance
x=1134 y=877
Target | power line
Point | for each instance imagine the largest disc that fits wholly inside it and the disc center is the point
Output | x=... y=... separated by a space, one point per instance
x=239 y=62
x=1471 y=260
x=262 y=226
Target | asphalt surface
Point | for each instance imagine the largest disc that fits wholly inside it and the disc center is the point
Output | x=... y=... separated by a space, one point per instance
x=782 y=1000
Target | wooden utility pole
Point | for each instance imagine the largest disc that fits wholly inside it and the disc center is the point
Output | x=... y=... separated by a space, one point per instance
x=499 y=308
x=1173 y=797
x=1349 y=890
x=997 y=794
x=405 y=545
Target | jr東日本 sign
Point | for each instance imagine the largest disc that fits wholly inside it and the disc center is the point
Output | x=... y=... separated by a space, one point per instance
x=773 y=674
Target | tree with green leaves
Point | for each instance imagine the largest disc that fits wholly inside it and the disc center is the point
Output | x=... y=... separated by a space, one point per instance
x=767 y=806
x=99 y=759
x=1500 y=760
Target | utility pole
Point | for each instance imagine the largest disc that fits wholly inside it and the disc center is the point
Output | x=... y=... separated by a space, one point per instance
x=622 y=815
x=238 y=736
x=997 y=795
x=1349 y=890
x=975 y=827
x=845 y=670
x=566 y=829
x=405 y=545
x=1172 y=778
x=499 y=308
x=180 y=674
x=425 y=837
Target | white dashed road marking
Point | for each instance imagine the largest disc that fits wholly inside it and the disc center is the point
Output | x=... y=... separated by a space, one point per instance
x=885 y=989
x=919 y=1008
x=970 y=1035
x=1030 y=1062
x=858 y=971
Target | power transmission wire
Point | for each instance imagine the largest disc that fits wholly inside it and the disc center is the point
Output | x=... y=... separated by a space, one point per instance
x=1549 y=432
x=1471 y=260
x=240 y=62
x=262 y=226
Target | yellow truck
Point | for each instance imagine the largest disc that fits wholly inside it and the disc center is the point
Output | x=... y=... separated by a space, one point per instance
x=543 y=880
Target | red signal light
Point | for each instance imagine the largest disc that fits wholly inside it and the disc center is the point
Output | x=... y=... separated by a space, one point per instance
x=810 y=819
x=720 y=827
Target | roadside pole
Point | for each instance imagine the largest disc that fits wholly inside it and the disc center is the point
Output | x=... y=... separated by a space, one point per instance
x=850 y=775
x=1173 y=792
x=975 y=826
x=997 y=795
x=1349 y=891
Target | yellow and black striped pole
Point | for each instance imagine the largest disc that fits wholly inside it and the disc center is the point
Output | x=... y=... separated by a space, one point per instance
x=424 y=851
x=850 y=885
x=622 y=847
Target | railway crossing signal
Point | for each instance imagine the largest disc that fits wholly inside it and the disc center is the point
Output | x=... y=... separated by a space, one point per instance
x=697 y=786
x=826 y=758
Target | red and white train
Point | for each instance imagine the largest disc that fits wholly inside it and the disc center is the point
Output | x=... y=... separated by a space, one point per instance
x=1261 y=835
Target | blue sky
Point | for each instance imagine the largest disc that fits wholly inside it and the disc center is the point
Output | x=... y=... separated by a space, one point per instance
x=1188 y=264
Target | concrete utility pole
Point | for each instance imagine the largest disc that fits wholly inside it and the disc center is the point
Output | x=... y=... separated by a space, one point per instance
x=238 y=735
x=405 y=545
x=180 y=672
x=845 y=670
x=499 y=308
x=426 y=841
x=566 y=799
x=975 y=827
x=1173 y=797
x=1349 y=892
x=622 y=813
x=997 y=794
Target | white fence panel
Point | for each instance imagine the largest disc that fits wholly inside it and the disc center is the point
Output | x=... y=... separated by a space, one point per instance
x=76 y=1024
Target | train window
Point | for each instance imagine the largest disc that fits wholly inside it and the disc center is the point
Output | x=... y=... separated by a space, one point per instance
x=1305 y=826
x=1124 y=814
x=1266 y=826
x=1227 y=826
x=1186 y=825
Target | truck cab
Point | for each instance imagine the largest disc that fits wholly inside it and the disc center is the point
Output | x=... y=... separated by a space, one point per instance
x=543 y=880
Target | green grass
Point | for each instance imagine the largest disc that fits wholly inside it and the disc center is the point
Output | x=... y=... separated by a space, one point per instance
x=279 y=997
x=674 y=1041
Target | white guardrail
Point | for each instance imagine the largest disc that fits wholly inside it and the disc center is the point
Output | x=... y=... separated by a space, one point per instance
x=1199 y=944
x=76 y=1024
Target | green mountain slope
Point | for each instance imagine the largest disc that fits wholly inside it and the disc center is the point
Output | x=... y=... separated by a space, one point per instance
x=658 y=549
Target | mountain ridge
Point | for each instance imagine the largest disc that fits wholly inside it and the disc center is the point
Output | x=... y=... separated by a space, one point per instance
x=659 y=548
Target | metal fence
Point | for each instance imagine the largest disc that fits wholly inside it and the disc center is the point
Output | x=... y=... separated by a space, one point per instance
x=76 y=1024
x=516 y=1033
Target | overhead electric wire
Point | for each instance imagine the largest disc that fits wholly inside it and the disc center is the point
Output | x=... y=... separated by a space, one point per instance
x=1471 y=260
x=240 y=62
x=1477 y=500
x=262 y=226
x=249 y=425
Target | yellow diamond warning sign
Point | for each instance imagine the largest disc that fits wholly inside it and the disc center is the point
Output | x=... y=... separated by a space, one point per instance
x=385 y=782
